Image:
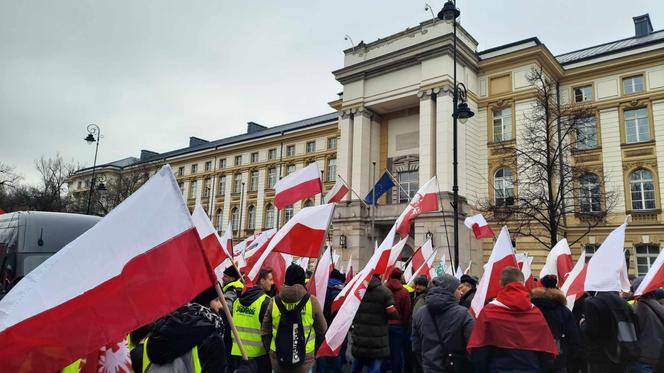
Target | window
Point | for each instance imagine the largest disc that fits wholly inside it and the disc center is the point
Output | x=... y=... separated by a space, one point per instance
x=589 y=195
x=502 y=124
x=636 y=125
x=194 y=168
x=222 y=163
x=308 y=203
x=643 y=190
x=181 y=171
x=633 y=84
x=591 y=249
x=586 y=134
x=409 y=183
x=193 y=189
x=584 y=93
x=271 y=177
x=220 y=219
x=272 y=154
x=206 y=187
x=288 y=213
x=222 y=185
x=290 y=169
x=290 y=150
x=208 y=165
x=311 y=146
x=332 y=169
x=253 y=181
x=254 y=157
x=504 y=187
x=235 y=218
x=645 y=257
x=180 y=185
x=238 y=160
x=237 y=183
x=332 y=143
x=269 y=216
x=251 y=217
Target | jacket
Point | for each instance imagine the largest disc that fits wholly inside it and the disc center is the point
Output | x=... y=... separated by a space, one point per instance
x=176 y=335
x=565 y=331
x=455 y=325
x=370 y=334
x=250 y=297
x=650 y=317
x=293 y=294
x=467 y=298
x=334 y=287
x=402 y=301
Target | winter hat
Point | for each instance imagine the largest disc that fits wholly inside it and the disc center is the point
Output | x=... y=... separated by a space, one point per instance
x=421 y=280
x=468 y=280
x=231 y=272
x=396 y=273
x=205 y=297
x=447 y=282
x=294 y=275
x=658 y=294
x=635 y=284
x=549 y=281
x=336 y=274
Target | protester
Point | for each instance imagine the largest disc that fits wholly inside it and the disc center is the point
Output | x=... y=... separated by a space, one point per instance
x=137 y=344
x=334 y=286
x=466 y=290
x=192 y=332
x=650 y=316
x=248 y=313
x=510 y=334
x=553 y=305
x=281 y=328
x=441 y=329
x=398 y=329
x=421 y=287
x=370 y=341
x=232 y=284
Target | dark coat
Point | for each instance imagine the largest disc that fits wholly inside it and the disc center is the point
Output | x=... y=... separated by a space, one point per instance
x=370 y=334
x=334 y=287
x=401 y=301
x=566 y=332
x=650 y=315
x=177 y=334
x=454 y=323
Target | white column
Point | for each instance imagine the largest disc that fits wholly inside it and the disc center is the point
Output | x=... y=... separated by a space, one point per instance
x=361 y=162
x=427 y=135
x=345 y=148
x=444 y=133
x=658 y=121
x=260 y=199
x=611 y=157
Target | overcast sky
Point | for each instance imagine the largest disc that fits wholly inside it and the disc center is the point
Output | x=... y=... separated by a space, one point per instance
x=153 y=73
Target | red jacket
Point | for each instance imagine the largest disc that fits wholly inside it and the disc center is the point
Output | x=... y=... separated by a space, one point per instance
x=401 y=301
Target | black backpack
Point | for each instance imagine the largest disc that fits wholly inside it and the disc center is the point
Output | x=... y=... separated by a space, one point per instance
x=290 y=343
x=623 y=331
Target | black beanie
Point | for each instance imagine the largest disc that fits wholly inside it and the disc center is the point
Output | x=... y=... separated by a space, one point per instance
x=549 y=281
x=231 y=272
x=468 y=280
x=337 y=275
x=294 y=275
x=205 y=297
x=422 y=281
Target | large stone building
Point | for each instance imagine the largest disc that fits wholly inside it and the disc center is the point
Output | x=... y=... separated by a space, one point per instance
x=395 y=113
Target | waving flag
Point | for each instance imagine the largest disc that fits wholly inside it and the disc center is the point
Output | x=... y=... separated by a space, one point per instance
x=425 y=200
x=297 y=186
x=383 y=251
x=253 y=251
x=479 y=226
x=573 y=286
x=318 y=283
x=337 y=193
x=558 y=262
x=524 y=261
x=419 y=258
x=425 y=269
x=211 y=243
x=654 y=278
x=80 y=299
x=395 y=255
x=383 y=184
x=349 y=270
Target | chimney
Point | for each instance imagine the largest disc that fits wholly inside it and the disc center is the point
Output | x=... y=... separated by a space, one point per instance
x=195 y=141
x=642 y=25
x=253 y=127
x=146 y=154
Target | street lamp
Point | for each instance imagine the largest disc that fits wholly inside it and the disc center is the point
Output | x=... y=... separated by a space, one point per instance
x=460 y=113
x=93 y=130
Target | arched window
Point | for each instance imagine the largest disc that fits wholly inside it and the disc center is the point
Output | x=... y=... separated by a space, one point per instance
x=504 y=187
x=643 y=190
x=288 y=213
x=251 y=217
x=220 y=219
x=308 y=203
x=269 y=216
x=235 y=218
x=589 y=195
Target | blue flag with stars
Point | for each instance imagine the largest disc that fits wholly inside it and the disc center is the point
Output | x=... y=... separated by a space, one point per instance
x=383 y=184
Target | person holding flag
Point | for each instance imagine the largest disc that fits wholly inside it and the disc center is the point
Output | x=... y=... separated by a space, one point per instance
x=398 y=329
x=650 y=316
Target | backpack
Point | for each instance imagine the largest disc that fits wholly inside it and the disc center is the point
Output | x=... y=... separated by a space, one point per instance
x=290 y=343
x=623 y=331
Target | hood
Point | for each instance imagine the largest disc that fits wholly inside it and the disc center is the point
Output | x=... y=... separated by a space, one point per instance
x=374 y=282
x=292 y=293
x=547 y=296
x=515 y=296
x=440 y=300
x=251 y=295
x=394 y=285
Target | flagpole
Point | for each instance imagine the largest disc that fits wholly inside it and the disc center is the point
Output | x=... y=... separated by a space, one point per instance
x=442 y=212
x=352 y=191
x=374 y=205
x=231 y=323
x=398 y=184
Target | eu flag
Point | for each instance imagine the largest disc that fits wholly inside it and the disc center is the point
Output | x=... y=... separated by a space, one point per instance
x=382 y=185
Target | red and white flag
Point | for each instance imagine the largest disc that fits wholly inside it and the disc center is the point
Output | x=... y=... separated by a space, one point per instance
x=337 y=193
x=211 y=242
x=502 y=256
x=654 y=278
x=425 y=269
x=395 y=255
x=252 y=252
x=112 y=358
x=558 y=262
x=479 y=226
x=297 y=186
x=349 y=270
x=303 y=262
x=335 y=259
x=425 y=200
x=573 y=286
x=383 y=251
x=524 y=262
x=318 y=283
x=106 y=282
x=242 y=246
x=419 y=258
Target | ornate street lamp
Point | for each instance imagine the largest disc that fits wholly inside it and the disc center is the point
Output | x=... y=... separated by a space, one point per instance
x=93 y=130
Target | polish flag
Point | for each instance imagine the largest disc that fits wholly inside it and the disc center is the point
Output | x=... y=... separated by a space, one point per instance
x=302 y=235
x=242 y=246
x=297 y=186
x=395 y=254
x=383 y=251
x=573 y=286
x=212 y=245
x=318 y=283
x=349 y=270
x=335 y=259
x=502 y=256
x=420 y=257
x=337 y=193
x=425 y=200
x=524 y=262
x=654 y=278
x=467 y=270
x=112 y=358
x=479 y=226
x=252 y=252
x=425 y=269
x=80 y=299
x=558 y=262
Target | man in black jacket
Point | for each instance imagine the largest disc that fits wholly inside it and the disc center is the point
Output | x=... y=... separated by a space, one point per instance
x=334 y=286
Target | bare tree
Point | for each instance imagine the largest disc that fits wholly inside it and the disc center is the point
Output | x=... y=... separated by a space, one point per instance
x=550 y=183
x=119 y=187
x=51 y=193
x=8 y=177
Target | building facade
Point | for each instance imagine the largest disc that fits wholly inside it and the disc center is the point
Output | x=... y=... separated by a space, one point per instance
x=395 y=114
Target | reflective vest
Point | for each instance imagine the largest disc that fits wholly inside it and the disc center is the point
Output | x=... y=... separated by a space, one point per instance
x=235 y=284
x=307 y=324
x=248 y=323
x=72 y=368
x=196 y=363
x=408 y=288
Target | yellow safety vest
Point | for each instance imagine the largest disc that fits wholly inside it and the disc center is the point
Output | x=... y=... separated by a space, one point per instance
x=72 y=368
x=248 y=325
x=194 y=356
x=408 y=288
x=307 y=324
x=235 y=284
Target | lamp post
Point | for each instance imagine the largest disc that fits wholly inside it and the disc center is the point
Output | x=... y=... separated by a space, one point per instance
x=460 y=113
x=93 y=130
